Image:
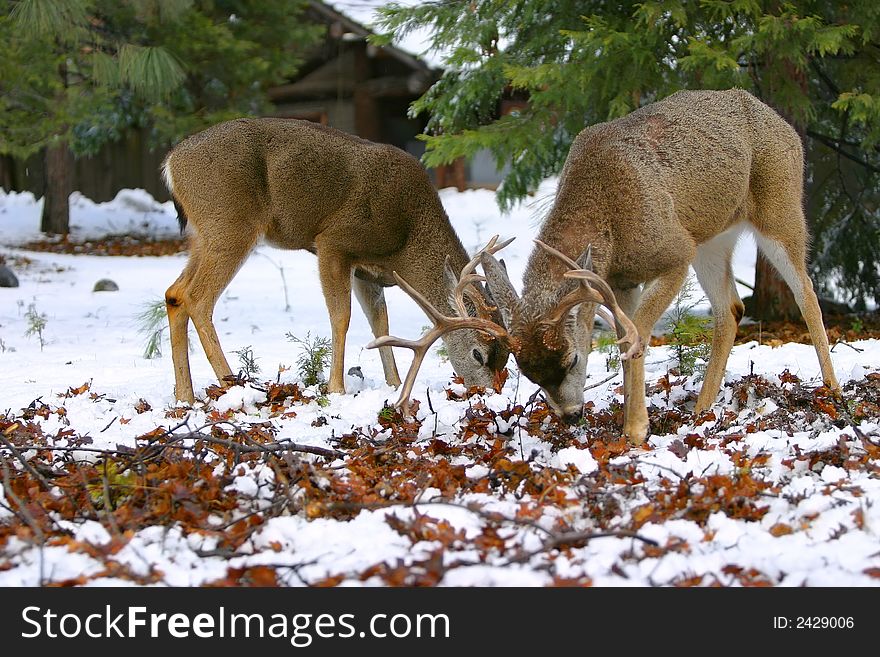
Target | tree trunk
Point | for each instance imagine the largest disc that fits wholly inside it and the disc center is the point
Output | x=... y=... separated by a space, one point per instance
x=7 y=173
x=452 y=175
x=772 y=299
x=58 y=186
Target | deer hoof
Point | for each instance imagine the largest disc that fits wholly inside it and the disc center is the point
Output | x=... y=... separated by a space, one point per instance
x=636 y=434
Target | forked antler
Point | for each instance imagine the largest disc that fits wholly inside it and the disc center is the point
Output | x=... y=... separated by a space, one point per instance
x=594 y=289
x=468 y=277
x=444 y=324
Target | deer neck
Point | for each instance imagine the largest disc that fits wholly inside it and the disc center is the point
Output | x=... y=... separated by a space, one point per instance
x=423 y=260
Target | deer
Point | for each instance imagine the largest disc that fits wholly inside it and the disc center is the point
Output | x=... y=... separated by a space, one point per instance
x=640 y=200
x=365 y=210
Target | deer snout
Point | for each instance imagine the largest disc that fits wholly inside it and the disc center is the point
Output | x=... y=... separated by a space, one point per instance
x=569 y=413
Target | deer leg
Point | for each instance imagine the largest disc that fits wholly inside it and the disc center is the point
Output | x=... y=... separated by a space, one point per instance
x=371 y=297
x=654 y=301
x=193 y=296
x=202 y=316
x=628 y=300
x=178 y=323
x=715 y=275
x=334 y=270
x=787 y=253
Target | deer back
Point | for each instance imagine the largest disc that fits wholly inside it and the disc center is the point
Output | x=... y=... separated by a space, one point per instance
x=292 y=180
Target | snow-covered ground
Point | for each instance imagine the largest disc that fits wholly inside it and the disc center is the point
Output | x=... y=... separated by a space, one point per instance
x=820 y=526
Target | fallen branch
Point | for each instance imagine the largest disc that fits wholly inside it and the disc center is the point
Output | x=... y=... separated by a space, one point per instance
x=577 y=537
x=605 y=380
x=273 y=448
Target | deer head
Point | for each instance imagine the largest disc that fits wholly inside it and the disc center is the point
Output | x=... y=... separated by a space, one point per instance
x=555 y=337
x=476 y=356
x=473 y=316
x=551 y=349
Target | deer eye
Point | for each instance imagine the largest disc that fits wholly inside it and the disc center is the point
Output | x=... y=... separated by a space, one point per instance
x=477 y=356
x=574 y=362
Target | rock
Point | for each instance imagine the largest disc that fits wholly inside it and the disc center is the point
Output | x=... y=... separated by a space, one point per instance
x=105 y=285
x=354 y=380
x=7 y=278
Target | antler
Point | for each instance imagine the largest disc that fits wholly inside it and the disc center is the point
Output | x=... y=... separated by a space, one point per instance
x=467 y=278
x=444 y=324
x=595 y=290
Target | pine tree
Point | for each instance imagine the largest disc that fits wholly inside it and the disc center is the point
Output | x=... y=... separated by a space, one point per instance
x=817 y=63
x=80 y=67
x=234 y=51
x=75 y=74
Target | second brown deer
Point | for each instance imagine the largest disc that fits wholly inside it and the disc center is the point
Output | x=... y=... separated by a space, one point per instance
x=365 y=209
x=640 y=200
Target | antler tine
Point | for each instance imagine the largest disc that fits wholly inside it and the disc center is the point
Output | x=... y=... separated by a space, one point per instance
x=420 y=350
x=492 y=248
x=630 y=333
x=608 y=317
x=468 y=278
x=424 y=304
x=595 y=289
x=559 y=254
x=463 y=288
x=442 y=323
x=420 y=347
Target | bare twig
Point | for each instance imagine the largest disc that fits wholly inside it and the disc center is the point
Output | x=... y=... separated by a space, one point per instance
x=577 y=537
x=605 y=380
x=23 y=514
x=24 y=462
x=272 y=448
x=846 y=344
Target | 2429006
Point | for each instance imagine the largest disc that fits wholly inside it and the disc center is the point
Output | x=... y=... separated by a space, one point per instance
x=813 y=622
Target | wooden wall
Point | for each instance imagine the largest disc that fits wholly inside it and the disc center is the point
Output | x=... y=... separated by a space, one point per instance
x=127 y=163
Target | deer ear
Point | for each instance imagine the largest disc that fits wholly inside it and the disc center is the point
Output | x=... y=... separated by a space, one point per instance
x=586 y=259
x=504 y=295
x=450 y=276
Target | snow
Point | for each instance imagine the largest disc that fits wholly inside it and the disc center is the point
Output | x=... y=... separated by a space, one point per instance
x=579 y=458
x=93 y=337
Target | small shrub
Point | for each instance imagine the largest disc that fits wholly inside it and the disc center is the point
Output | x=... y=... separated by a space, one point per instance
x=690 y=335
x=606 y=343
x=387 y=413
x=152 y=321
x=315 y=358
x=248 y=362
x=36 y=324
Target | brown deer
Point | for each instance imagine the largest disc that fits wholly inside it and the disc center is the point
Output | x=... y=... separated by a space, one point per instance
x=640 y=199
x=365 y=209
